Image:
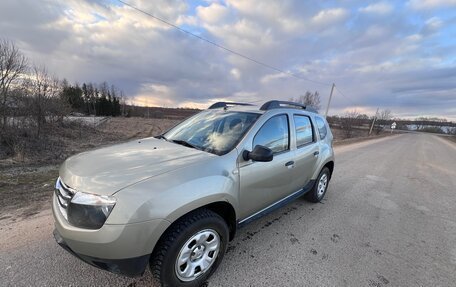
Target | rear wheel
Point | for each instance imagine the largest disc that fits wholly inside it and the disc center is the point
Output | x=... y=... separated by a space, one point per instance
x=318 y=191
x=191 y=250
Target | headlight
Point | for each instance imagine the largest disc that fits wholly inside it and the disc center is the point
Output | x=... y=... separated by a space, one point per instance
x=89 y=211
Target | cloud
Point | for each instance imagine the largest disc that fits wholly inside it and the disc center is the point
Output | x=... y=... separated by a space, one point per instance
x=430 y=4
x=154 y=95
x=431 y=26
x=329 y=16
x=273 y=77
x=213 y=13
x=377 y=8
x=236 y=73
x=375 y=63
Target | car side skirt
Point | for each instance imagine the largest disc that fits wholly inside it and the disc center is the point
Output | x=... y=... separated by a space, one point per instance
x=284 y=201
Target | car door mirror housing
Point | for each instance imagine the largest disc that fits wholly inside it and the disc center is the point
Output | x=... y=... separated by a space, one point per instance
x=259 y=153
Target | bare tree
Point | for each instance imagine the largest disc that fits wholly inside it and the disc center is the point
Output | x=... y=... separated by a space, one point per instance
x=12 y=65
x=43 y=93
x=123 y=104
x=383 y=117
x=309 y=99
x=348 y=121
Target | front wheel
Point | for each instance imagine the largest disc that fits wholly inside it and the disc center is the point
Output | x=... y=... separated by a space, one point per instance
x=318 y=191
x=191 y=250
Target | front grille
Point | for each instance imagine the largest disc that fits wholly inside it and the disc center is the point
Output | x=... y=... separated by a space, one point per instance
x=64 y=194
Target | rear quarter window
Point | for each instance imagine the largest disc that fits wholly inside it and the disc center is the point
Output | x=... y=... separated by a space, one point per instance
x=321 y=126
x=304 y=131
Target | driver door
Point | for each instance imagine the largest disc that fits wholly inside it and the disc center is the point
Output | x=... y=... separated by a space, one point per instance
x=264 y=183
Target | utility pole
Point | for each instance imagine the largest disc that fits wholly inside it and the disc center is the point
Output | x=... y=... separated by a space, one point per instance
x=373 y=122
x=329 y=101
x=147 y=107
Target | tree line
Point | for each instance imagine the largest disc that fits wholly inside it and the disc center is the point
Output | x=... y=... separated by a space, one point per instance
x=92 y=99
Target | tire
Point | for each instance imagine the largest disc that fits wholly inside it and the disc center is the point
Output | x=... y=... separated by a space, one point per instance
x=194 y=236
x=318 y=191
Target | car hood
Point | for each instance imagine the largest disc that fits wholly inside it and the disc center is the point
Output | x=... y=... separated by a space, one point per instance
x=107 y=170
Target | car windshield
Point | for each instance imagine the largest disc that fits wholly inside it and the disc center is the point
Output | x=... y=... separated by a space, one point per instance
x=212 y=131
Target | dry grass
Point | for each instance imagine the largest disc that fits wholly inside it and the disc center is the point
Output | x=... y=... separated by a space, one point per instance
x=62 y=141
x=357 y=135
x=26 y=191
x=26 y=183
x=131 y=128
x=339 y=134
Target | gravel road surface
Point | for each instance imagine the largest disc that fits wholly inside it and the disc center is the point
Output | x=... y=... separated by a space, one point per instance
x=388 y=219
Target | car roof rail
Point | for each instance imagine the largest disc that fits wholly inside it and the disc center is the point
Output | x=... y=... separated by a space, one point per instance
x=218 y=105
x=275 y=104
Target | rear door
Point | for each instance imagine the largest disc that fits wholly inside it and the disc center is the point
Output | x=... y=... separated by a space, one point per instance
x=306 y=153
x=263 y=183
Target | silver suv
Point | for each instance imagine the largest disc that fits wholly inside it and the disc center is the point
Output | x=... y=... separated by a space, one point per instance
x=174 y=201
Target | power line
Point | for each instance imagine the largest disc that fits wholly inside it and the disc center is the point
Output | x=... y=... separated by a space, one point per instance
x=350 y=100
x=220 y=46
x=233 y=51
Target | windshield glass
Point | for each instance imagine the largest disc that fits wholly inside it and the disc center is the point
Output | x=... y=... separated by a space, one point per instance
x=212 y=131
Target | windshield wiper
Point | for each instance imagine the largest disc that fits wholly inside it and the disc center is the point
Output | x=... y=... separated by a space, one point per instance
x=185 y=143
x=161 y=137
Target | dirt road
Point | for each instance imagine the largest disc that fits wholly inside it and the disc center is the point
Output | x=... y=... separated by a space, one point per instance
x=389 y=219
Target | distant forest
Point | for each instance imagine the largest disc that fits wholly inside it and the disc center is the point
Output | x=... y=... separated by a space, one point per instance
x=93 y=99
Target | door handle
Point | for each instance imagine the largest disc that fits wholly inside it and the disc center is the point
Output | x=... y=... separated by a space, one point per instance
x=316 y=153
x=290 y=163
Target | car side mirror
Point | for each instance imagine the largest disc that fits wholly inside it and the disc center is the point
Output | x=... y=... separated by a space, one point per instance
x=259 y=153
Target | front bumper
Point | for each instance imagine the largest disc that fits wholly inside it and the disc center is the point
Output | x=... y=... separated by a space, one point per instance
x=129 y=267
x=119 y=248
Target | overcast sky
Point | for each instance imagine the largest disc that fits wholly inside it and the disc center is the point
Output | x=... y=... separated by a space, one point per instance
x=397 y=55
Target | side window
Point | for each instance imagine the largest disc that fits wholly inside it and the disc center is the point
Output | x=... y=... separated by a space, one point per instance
x=321 y=127
x=304 y=133
x=274 y=134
